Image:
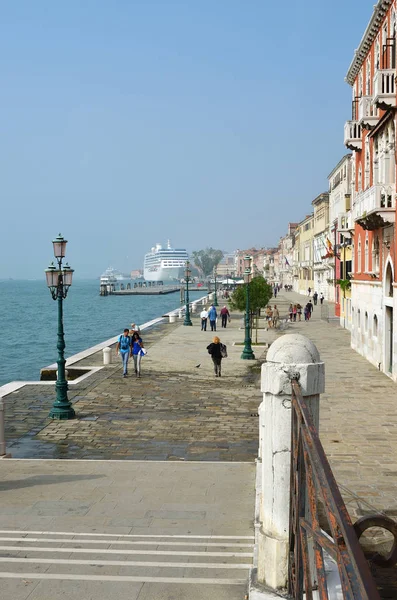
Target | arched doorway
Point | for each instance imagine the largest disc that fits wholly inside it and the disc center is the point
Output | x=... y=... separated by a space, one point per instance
x=388 y=303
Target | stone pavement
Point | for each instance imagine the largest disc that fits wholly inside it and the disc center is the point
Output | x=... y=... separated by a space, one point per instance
x=178 y=410
x=358 y=417
x=94 y=530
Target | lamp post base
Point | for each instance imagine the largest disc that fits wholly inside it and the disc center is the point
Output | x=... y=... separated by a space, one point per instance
x=248 y=354
x=62 y=413
x=188 y=322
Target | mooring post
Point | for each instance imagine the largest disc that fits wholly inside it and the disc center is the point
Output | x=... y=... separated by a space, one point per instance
x=290 y=357
x=2 y=429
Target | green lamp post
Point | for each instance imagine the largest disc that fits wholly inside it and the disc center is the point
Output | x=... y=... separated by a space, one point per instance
x=215 y=296
x=59 y=281
x=247 y=353
x=187 y=320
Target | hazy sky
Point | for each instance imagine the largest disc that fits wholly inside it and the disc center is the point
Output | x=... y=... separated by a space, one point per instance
x=125 y=123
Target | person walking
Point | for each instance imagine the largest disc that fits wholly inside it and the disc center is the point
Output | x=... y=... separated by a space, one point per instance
x=299 y=311
x=217 y=352
x=309 y=291
x=321 y=298
x=225 y=315
x=204 y=317
x=294 y=312
x=137 y=346
x=124 y=348
x=306 y=313
x=315 y=296
x=276 y=316
x=290 y=312
x=269 y=316
x=212 y=315
x=275 y=290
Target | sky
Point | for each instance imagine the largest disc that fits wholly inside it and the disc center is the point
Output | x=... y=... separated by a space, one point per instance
x=127 y=123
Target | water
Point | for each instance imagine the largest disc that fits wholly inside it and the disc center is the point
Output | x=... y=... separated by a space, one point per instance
x=28 y=322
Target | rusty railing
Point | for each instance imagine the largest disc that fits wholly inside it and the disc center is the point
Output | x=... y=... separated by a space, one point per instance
x=320 y=527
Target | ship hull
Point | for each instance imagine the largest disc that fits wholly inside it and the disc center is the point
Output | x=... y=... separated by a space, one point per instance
x=165 y=274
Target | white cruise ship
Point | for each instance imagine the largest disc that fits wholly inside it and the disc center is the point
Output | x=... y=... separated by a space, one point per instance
x=164 y=264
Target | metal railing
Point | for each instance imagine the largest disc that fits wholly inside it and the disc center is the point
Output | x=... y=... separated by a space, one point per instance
x=321 y=531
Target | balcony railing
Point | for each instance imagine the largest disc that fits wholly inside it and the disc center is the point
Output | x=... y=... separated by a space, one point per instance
x=380 y=199
x=352 y=136
x=385 y=88
x=367 y=113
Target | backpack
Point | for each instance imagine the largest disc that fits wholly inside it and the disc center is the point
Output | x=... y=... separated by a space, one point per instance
x=124 y=341
x=223 y=351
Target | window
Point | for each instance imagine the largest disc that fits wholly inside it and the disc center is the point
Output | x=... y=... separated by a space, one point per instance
x=375 y=255
x=359 y=256
x=359 y=319
x=366 y=322
x=375 y=328
x=366 y=256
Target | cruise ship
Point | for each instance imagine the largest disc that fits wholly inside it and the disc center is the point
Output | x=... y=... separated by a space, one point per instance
x=164 y=264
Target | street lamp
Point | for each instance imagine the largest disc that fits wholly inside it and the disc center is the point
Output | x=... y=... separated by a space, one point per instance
x=247 y=353
x=59 y=281
x=215 y=297
x=187 y=320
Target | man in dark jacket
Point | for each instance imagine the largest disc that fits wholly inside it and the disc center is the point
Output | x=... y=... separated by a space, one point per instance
x=225 y=314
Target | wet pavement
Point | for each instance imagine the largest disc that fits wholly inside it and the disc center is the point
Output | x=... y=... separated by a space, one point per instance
x=176 y=411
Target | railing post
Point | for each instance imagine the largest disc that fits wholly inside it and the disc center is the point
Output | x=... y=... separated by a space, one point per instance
x=289 y=357
x=2 y=429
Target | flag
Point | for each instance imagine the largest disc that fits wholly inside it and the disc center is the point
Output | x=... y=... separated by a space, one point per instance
x=286 y=262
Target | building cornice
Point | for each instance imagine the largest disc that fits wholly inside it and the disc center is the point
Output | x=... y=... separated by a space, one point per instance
x=340 y=163
x=380 y=10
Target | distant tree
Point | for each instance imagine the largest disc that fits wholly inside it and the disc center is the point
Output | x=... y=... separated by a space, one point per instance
x=260 y=294
x=206 y=260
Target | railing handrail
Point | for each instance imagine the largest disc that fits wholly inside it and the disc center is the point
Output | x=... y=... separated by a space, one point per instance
x=356 y=579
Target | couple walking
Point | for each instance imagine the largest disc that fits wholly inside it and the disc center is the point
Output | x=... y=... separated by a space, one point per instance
x=130 y=345
x=212 y=315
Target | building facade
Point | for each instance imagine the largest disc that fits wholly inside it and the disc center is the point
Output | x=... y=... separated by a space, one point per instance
x=323 y=254
x=305 y=255
x=370 y=134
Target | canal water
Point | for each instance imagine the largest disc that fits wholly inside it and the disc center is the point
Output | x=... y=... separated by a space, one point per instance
x=28 y=322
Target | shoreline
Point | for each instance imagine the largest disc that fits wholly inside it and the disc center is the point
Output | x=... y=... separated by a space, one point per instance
x=13 y=386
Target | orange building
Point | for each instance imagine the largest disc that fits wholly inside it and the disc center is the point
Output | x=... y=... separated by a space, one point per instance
x=371 y=134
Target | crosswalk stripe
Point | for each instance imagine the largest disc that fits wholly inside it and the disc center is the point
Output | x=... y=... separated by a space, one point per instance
x=122 y=578
x=131 y=535
x=121 y=551
x=124 y=543
x=125 y=563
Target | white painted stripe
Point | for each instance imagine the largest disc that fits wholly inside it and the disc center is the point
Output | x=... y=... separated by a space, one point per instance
x=126 y=563
x=130 y=535
x=120 y=578
x=111 y=551
x=125 y=542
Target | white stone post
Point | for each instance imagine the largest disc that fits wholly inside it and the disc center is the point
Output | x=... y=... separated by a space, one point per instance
x=290 y=356
x=180 y=314
x=172 y=318
x=107 y=356
x=2 y=429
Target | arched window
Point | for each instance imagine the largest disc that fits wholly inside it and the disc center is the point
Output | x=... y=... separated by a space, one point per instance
x=375 y=329
x=389 y=282
x=366 y=322
x=377 y=55
x=366 y=254
x=360 y=179
x=359 y=256
x=359 y=319
x=368 y=78
x=367 y=164
x=375 y=255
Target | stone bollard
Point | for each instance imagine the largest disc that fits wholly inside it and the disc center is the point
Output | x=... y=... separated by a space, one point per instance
x=180 y=314
x=194 y=308
x=107 y=356
x=172 y=318
x=2 y=429
x=290 y=356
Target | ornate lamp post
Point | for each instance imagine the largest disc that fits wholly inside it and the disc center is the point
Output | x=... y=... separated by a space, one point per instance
x=59 y=281
x=247 y=353
x=215 y=296
x=187 y=320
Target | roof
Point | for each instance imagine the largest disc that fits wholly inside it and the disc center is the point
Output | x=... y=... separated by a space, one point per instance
x=380 y=10
x=340 y=163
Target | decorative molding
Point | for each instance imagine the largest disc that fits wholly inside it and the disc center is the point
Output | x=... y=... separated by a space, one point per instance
x=373 y=28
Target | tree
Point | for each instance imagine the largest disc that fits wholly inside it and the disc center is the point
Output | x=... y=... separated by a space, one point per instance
x=260 y=294
x=206 y=260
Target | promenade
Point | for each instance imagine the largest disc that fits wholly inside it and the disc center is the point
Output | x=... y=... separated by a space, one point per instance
x=180 y=447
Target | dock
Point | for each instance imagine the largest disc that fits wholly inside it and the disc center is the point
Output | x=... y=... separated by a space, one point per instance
x=150 y=289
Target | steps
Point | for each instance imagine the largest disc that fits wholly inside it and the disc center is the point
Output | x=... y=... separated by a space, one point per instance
x=195 y=566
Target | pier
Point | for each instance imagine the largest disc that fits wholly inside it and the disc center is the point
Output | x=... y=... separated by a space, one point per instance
x=149 y=288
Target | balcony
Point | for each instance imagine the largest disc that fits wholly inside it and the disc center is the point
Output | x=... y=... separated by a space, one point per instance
x=367 y=113
x=375 y=207
x=385 y=88
x=353 y=139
